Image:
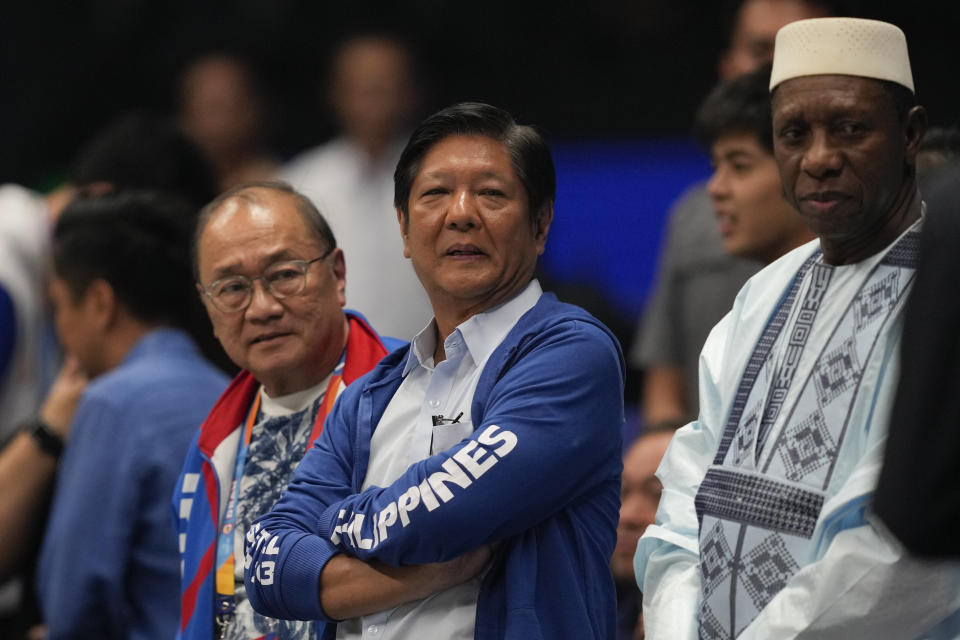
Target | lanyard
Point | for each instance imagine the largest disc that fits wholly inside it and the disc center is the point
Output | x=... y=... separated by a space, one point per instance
x=225 y=580
x=226 y=601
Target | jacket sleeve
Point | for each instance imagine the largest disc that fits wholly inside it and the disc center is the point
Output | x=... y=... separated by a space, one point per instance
x=549 y=436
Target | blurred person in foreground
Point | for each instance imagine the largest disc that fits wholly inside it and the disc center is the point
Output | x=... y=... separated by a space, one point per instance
x=765 y=528
x=373 y=90
x=121 y=293
x=697 y=277
x=272 y=278
x=918 y=493
x=468 y=486
x=940 y=147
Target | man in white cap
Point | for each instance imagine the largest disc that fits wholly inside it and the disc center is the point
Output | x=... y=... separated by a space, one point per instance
x=765 y=528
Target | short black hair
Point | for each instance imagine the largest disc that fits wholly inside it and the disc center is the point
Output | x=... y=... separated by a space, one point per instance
x=739 y=105
x=143 y=150
x=138 y=242
x=305 y=207
x=529 y=151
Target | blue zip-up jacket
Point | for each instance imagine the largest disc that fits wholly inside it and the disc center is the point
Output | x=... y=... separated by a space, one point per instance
x=540 y=473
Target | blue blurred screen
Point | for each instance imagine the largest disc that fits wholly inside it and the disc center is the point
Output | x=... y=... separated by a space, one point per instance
x=612 y=201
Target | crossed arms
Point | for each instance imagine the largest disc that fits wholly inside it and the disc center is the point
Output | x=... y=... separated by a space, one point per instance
x=548 y=433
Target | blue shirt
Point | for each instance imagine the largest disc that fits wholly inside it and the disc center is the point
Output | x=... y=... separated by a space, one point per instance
x=109 y=565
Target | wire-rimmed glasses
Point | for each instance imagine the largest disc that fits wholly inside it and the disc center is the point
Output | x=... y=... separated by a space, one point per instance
x=233 y=294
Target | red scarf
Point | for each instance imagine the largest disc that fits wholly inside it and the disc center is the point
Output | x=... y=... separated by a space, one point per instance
x=364 y=351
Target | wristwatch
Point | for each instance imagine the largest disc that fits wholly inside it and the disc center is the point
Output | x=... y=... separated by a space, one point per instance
x=43 y=434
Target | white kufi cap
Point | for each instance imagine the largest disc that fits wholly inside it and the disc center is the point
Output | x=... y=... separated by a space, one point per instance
x=846 y=46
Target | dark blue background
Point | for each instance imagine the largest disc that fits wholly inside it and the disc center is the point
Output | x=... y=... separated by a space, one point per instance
x=612 y=200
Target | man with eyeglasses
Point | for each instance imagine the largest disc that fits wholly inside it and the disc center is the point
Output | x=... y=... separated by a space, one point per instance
x=272 y=278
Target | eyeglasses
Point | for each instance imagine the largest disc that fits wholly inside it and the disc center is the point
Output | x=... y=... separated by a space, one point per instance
x=282 y=280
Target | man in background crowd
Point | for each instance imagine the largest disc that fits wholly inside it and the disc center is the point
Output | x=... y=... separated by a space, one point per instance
x=134 y=150
x=221 y=107
x=374 y=94
x=734 y=124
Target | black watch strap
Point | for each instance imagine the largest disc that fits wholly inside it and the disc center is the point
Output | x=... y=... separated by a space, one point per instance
x=43 y=434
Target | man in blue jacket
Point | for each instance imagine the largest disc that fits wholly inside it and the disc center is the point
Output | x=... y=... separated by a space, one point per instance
x=468 y=486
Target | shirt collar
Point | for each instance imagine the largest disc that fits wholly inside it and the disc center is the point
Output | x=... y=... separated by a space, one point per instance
x=163 y=339
x=481 y=333
x=292 y=402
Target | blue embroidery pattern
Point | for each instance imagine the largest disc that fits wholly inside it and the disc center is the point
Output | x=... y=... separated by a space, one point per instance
x=756 y=524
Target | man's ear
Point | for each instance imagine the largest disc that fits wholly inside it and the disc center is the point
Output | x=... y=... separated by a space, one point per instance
x=914 y=128
x=401 y=220
x=338 y=266
x=542 y=226
x=101 y=302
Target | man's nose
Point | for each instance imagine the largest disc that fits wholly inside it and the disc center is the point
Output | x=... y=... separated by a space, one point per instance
x=821 y=158
x=263 y=304
x=717 y=185
x=634 y=510
x=462 y=213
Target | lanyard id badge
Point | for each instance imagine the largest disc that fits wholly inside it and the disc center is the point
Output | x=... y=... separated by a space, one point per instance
x=226 y=598
x=225 y=605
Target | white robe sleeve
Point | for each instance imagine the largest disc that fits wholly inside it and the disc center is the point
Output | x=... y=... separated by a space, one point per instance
x=667 y=558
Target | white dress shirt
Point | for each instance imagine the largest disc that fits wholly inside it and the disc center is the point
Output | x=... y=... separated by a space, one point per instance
x=430 y=413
